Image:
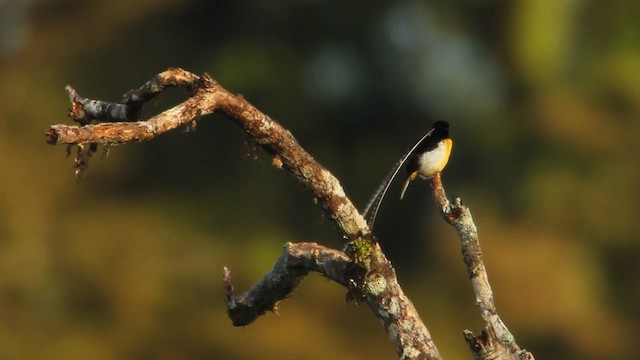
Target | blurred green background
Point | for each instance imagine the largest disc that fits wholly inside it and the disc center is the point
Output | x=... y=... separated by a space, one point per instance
x=543 y=97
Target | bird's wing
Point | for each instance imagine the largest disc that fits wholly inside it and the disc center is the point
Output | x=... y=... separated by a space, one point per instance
x=374 y=202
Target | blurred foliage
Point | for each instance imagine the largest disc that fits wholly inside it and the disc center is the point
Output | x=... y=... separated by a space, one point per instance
x=543 y=97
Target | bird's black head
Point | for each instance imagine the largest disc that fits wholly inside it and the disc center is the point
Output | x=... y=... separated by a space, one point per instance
x=440 y=130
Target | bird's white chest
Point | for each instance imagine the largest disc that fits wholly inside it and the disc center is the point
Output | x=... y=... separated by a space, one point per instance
x=435 y=160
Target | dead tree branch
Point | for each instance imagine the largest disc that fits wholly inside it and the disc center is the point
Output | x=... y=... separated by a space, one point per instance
x=364 y=269
x=496 y=341
x=294 y=264
x=368 y=275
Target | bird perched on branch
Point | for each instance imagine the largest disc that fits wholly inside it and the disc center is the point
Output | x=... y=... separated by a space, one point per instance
x=426 y=158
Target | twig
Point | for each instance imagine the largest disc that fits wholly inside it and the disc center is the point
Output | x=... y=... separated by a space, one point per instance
x=121 y=127
x=496 y=341
x=369 y=276
x=85 y=110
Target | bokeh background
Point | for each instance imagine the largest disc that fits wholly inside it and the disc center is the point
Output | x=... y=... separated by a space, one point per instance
x=543 y=97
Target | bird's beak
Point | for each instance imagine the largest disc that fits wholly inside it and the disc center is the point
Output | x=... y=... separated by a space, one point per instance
x=412 y=176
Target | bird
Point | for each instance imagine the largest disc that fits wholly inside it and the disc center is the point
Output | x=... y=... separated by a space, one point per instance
x=426 y=158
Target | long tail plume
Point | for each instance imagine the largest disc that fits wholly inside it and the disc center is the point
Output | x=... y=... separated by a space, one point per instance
x=371 y=210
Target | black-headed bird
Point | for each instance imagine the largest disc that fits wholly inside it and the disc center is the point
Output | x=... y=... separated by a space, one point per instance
x=426 y=158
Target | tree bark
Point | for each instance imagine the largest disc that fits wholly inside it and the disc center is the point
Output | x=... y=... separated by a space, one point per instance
x=362 y=267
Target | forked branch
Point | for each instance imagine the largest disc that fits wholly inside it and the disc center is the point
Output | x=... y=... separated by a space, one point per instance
x=368 y=274
x=364 y=269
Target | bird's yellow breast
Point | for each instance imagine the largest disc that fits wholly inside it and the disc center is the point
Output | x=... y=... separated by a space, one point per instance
x=433 y=161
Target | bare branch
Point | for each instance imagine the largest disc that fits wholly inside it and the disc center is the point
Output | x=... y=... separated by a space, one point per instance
x=294 y=264
x=85 y=110
x=369 y=277
x=496 y=341
x=364 y=269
